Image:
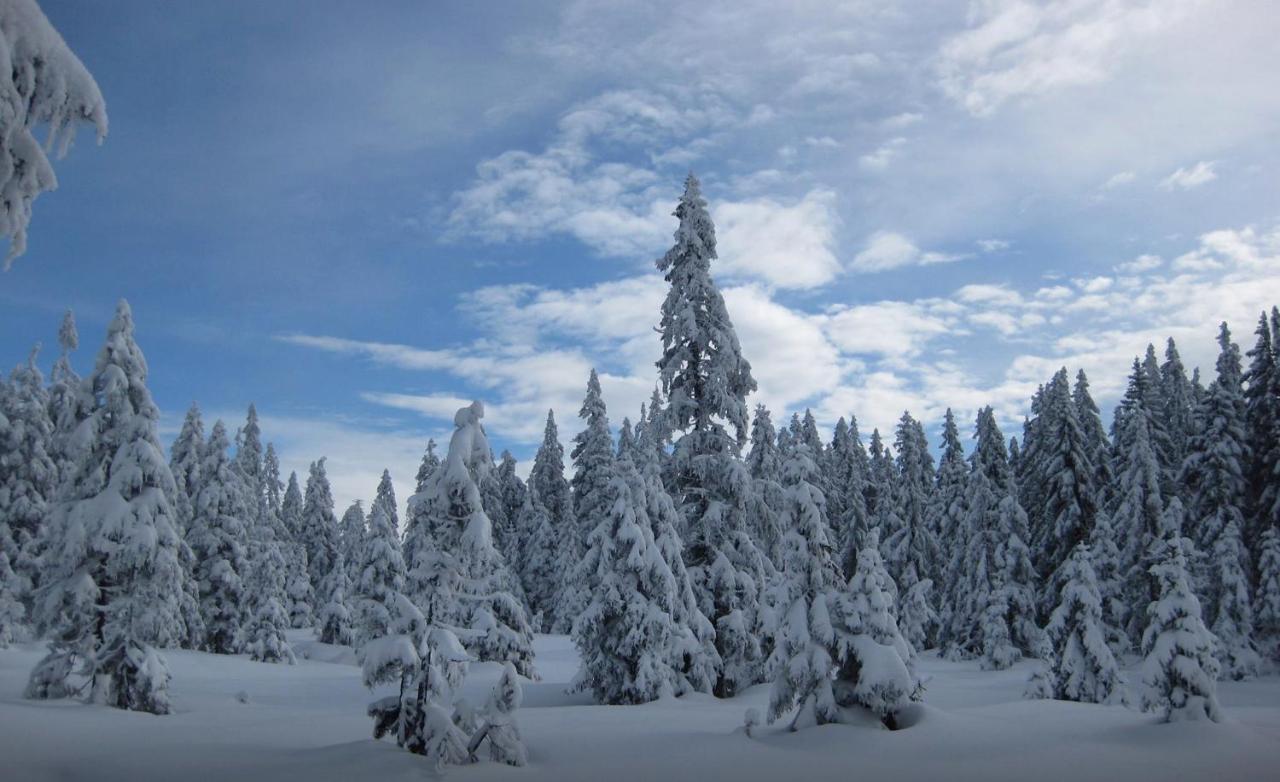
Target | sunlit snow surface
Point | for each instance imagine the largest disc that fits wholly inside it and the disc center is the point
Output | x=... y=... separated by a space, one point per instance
x=308 y=722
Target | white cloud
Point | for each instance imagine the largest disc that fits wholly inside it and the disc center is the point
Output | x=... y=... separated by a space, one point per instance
x=1119 y=180
x=1143 y=263
x=1019 y=49
x=993 y=245
x=883 y=155
x=786 y=246
x=1187 y=178
x=890 y=250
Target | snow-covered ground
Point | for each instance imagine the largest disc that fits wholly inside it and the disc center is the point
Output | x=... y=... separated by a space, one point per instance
x=236 y=719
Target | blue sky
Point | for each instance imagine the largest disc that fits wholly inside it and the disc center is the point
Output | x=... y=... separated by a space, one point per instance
x=360 y=215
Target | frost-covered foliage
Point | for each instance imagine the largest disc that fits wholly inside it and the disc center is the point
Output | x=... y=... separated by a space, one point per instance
x=806 y=647
x=1231 y=619
x=64 y=395
x=592 y=497
x=1179 y=672
x=1082 y=667
x=264 y=630
x=318 y=530
x=219 y=539
x=28 y=473
x=300 y=597
x=509 y=492
x=111 y=578
x=875 y=664
x=911 y=551
x=624 y=635
x=993 y=602
x=185 y=458
x=43 y=83
x=764 y=462
x=499 y=722
x=847 y=506
x=454 y=572
x=351 y=530
x=950 y=525
x=380 y=577
x=13 y=613
x=385 y=497
x=430 y=463
x=1267 y=597
x=427 y=662
x=548 y=522
x=706 y=380
x=1262 y=400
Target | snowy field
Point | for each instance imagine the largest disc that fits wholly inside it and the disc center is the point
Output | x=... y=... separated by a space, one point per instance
x=307 y=723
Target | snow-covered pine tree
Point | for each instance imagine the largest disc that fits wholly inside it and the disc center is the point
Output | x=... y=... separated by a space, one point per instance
x=1267 y=597
x=430 y=463
x=875 y=666
x=218 y=538
x=806 y=649
x=994 y=616
x=1137 y=500
x=706 y=380
x=1104 y=555
x=1082 y=667
x=267 y=619
x=1095 y=437
x=46 y=85
x=380 y=577
x=1262 y=400
x=1067 y=489
x=351 y=531
x=318 y=529
x=555 y=548
x=624 y=635
x=499 y=726
x=385 y=496
x=13 y=614
x=110 y=576
x=912 y=550
x=300 y=597
x=1232 y=617
x=511 y=491
x=854 y=479
x=948 y=513
x=453 y=571
x=28 y=473
x=334 y=624
x=185 y=457
x=1180 y=671
x=1179 y=403
x=764 y=461
x=64 y=393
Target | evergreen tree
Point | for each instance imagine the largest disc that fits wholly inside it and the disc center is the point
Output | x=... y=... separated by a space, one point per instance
x=267 y=620
x=624 y=635
x=1180 y=670
x=949 y=514
x=1262 y=400
x=511 y=491
x=1082 y=665
x=453 y=571
x=185 y=457
x=1232 y=617
x=1179 y=404
x=1095 y=437
x=13 y=613
x=544 y=579
x=500 y=728
x=1267 y=599
x=299 y=593
x=28 y=473
x=386 y=499
x=764 y=461
x=806 y=650
x=111 y=577
x=592 y=461
x=218 y=538
x=539 y=563
x=706 y=381
x=430 y=463
x=318 y=529
x=64 y=392
x=380 y=577
x=351 y=530
x=334 y=621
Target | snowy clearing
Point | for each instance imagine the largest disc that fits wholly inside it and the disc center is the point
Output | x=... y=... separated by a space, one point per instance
x=307 y=722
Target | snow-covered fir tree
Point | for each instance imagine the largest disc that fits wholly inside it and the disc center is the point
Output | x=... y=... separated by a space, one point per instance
x=13 y=614
x=453 y=571
x=267 y=619
x=334 y=623
x=948 y=516
x=1179 y=403
x=875 y=666
x=46 y=85
x=624 y=635
x=111 y=577
x=912 y=550
x=994 y=613
x=1231 y=619
x=806 y=647
x=510 y=497
x=499 y=723
x=218 y=537
x=1095 y=436
x=351 y=531
x=764 y=461
x=318 y=529
x=385 y=497
x=1082 y=666
x=1179 y=672
x=185 y=458
x=430 y=463
x=300 y=597
x=706 y=380
x=1262 y=399
x=1267 y=596
x=380 y=577
x=64 y=393
x=548 y=518
x=28 y=473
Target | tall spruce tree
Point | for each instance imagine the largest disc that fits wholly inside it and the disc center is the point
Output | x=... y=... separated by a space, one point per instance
x=385 y=497
x=300 y=594
x=64 y=393
x=764 y=461
x=28 y=472
x=111 y=577
x=912 y=550
x=219 y=539
x=544 y=579
x=706 y=380
x=1262 y=400
x=949 y=522
x=1082 y=666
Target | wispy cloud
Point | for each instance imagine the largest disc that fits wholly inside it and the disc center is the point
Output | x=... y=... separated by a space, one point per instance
x=1187 y=178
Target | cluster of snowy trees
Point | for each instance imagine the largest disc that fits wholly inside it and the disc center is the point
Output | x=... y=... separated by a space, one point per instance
x=702 y=549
